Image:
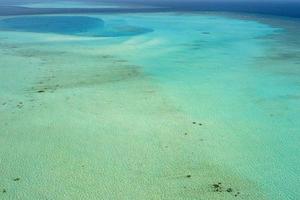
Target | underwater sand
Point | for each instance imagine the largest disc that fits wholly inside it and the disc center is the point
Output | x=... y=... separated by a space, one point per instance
x=205 y=106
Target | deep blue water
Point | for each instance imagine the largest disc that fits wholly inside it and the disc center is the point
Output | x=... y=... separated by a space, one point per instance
x=291 y=9
x=283 y=8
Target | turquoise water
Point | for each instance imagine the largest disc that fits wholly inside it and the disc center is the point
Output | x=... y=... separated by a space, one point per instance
x=84 y=26
x=201 y=99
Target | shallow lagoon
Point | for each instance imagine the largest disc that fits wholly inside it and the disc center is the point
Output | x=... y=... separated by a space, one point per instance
x=203 y=99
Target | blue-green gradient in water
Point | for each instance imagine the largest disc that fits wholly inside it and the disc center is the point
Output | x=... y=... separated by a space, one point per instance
x=203 y=99
x=70 y=25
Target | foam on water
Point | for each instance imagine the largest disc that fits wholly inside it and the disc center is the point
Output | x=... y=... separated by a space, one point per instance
x=200 y=100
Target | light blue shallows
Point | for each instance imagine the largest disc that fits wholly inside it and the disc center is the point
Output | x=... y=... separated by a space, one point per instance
x=149 y=106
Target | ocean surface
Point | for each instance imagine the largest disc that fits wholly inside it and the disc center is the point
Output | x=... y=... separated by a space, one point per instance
x=148 y=105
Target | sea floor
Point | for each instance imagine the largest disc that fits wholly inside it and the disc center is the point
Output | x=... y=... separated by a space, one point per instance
x=203 y=106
